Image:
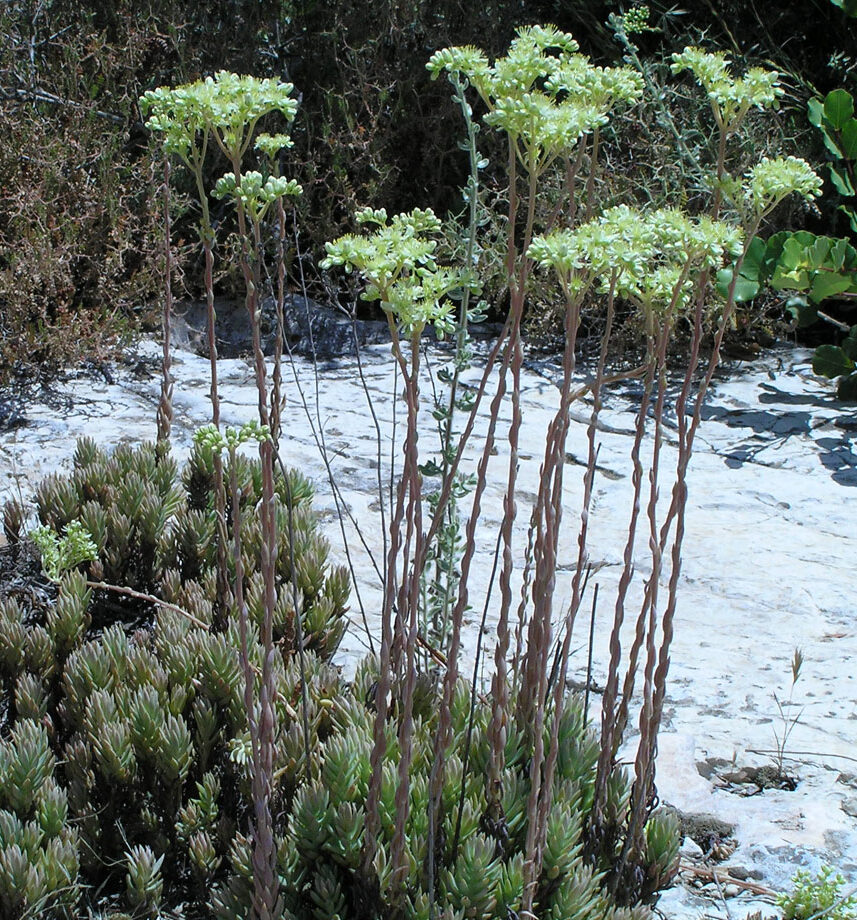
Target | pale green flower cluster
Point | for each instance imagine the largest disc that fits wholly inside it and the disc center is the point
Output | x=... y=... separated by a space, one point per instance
x=645 y=255
x=463 y=59
x=602 y=87
x=636 y=20
x=216 y=440
x=543 y=94
x=529 y=59
x=272 y=144
x=770 y=181
x=59 y=554
x=255 y=192
x=536 y=119
x=730 y=98
x=398 y=265
x=227 y=103
x=177 y=115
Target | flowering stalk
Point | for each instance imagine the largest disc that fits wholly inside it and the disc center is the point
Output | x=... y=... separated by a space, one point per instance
x=165 y=404
x=228 y=108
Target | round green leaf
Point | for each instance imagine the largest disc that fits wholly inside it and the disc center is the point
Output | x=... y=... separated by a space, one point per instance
x=849 y=344
x=847 y=388
x=752 y=264
x=831 y=361
x=849 y=139
x=828 y=284
x=745 y=288
x=838 y=107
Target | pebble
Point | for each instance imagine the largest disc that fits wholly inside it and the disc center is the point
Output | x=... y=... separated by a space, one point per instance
x=690 y=849
x=849 y=806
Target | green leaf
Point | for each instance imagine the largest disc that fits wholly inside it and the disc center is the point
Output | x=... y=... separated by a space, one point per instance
x=831 y=361
x=804 y=237
x=752 y=264
x=818 y=252
x=848 y=6
x=430 y=468
x=786 y=279
x=849 y=344
x=851 y=214
x=838 y=107
x=831 y=143
x=828 y=284
x=794 y=254
x=815 y=112
x=847 y=388
x=849 y=139
x=774 y=252
x=841 y=181
x=748 y=284
x=745 y=288
x=838 y=254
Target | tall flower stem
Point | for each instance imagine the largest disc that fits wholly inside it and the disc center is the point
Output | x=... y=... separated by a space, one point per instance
x=165 y=404
x=264 y=855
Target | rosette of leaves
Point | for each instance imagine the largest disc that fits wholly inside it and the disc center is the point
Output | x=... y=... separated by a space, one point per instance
x=154 y=766
x=123 y=501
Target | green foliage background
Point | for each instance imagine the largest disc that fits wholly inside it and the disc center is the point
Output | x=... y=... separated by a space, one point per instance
x=79 y=228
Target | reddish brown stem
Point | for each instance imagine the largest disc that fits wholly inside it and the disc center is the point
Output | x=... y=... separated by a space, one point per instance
x=165 y=405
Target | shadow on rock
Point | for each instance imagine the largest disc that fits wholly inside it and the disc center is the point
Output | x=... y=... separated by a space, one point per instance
x=310 y=329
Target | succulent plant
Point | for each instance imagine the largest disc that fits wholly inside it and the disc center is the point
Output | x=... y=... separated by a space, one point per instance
x=129 y=758
x=126 y=720
x=143 y=882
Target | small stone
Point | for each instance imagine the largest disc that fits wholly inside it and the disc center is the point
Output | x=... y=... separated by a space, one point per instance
x=701 y=826
x=691 y=849
x=731 y=891
x=849 y=806
x=709 y=767
x=743 y=874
